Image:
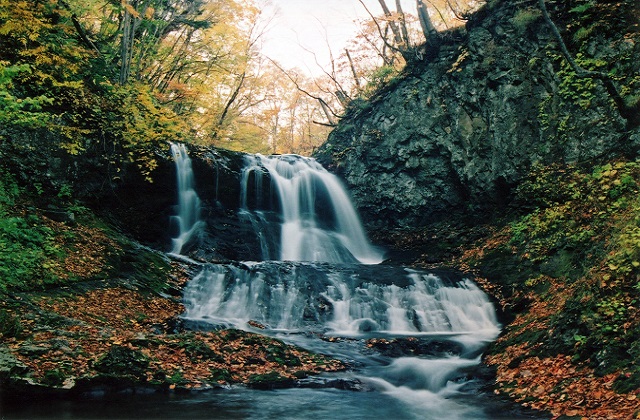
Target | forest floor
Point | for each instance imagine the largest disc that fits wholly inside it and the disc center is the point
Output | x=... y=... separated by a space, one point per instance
x=116 y=337
x=99 y=311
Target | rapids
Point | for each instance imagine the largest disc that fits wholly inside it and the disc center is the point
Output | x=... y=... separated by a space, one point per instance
x=319 y=284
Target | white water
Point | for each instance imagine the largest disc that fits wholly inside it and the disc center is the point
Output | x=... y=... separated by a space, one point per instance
x=347 y=301
x=324 y=284
x=317 y=220
x=301 y=301
x=187 y=219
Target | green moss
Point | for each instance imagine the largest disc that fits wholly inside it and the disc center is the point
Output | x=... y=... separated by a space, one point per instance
x=524 y=18
x=10 y=325
x=29 y=253
x=54 y=377
x=270 y=380
x=197 y=350
x=221 y=375
x=582 y=238
x=123 y=361
x=282 y=355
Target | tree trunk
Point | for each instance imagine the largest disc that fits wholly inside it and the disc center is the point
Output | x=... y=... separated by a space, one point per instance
x=403 y=25
x=231 y=100
x=327 y=112
x=430 y=33
x=394 y=28
x=356 y=79
x=126 y=47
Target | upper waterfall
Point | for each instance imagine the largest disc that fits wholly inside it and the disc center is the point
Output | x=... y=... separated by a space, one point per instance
x=187 y=218
x=317 y=219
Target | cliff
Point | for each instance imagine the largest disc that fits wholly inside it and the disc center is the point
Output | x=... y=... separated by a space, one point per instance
x=458 y=132
x=495 y=157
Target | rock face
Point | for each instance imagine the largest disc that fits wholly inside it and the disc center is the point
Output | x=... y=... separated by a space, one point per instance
x=457 y=133
x=138 y=206
x=146 y=208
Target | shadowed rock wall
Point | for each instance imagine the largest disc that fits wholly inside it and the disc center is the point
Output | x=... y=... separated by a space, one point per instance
x=457 y=133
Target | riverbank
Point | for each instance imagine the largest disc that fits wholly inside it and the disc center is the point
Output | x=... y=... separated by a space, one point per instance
x=562 y=265
x=84 y=308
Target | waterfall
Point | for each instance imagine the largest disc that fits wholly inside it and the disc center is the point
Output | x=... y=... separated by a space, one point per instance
x=186 y=220
x=318 y=278
x=317 y=220
x=349 y=301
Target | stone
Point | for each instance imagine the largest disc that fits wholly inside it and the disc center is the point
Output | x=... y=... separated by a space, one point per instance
x=469 y=124
x=9 y=365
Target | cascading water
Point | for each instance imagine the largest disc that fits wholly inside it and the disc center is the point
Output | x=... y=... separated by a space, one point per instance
x=451 y=318
x=187 y=220
x=316 y=217
x=318 y=279
x=346 y=300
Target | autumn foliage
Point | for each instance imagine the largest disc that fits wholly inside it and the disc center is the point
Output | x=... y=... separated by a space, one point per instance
x=72 y=341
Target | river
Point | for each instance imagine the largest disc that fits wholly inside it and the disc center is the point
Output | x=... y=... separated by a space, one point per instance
x=413 y=339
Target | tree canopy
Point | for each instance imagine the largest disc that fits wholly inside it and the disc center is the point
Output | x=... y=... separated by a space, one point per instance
x=122 y=75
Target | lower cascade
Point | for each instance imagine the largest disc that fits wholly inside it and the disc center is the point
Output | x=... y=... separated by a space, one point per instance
x=319 y=287
x=347 y=300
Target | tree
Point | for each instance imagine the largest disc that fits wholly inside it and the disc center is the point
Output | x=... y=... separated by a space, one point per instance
x=429 y=31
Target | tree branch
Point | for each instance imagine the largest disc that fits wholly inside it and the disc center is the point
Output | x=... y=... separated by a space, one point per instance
x=330 y=114
x=81 y=32
x=383 y=36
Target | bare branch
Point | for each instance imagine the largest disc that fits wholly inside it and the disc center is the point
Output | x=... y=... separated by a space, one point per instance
x=455 y=12
x=329 y=113
x=81 y=32
x=382 y=36
x=442 y=17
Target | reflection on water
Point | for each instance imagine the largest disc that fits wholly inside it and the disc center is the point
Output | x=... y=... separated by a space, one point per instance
x=242 y=403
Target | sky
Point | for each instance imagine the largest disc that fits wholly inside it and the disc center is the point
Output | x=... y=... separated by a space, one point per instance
x=309 y=23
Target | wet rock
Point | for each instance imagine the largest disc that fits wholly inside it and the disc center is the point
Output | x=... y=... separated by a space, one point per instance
x=402 y=347
x=31 y=350
x=9 y=365
x=346 y=384
x=62 y=216
x=124 y=362
x=271 y=380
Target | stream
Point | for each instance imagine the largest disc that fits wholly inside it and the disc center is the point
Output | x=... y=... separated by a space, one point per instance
x=413 y=339
x=320 y=285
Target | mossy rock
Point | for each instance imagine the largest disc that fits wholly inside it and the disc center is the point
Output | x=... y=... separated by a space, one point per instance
x=123 y=361
x=271 y=380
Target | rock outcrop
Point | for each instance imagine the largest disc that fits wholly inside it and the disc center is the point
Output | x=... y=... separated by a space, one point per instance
x=457 y=133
